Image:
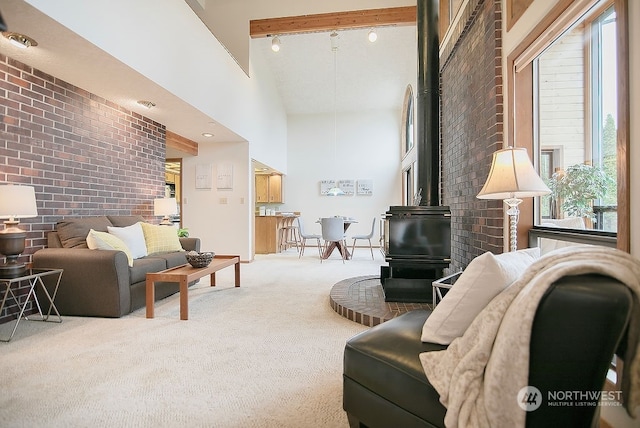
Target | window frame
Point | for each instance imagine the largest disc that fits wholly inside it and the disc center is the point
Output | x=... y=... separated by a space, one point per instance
x=520 y=85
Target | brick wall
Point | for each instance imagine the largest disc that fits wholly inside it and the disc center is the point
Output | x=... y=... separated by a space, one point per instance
x=83 y=154
x=472 y=119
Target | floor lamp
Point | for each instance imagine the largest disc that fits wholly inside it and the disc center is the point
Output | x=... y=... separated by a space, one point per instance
x=511 y=178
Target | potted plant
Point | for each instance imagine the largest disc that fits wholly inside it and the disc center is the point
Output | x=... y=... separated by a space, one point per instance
x=183 y=233
x=576 y=188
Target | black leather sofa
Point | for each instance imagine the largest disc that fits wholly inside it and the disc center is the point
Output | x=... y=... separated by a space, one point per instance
x=579 y=324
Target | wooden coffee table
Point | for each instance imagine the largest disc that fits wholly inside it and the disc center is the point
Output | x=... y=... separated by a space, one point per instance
x=184 y=275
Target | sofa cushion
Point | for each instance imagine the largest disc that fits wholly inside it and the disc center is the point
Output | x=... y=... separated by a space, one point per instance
x=138 y=273
x=160 y=239
x=73 y=232
x=176 y=258
x=133 y=237
x=124 y=220
x=106 y=241
x=483 y=279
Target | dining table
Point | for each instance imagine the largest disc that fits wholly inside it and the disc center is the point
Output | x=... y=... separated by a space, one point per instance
x=348 y=221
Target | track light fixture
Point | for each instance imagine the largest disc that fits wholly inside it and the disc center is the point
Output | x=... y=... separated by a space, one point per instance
x=275 y=44
x=373 y=36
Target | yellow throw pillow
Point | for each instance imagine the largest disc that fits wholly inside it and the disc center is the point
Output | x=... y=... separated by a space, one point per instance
x=160 y=239
x=106 y=241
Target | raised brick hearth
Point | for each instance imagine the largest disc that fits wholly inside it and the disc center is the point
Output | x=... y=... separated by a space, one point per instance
x=361 y=299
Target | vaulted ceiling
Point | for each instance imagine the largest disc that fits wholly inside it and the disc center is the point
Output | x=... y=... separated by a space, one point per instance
x=369 y=75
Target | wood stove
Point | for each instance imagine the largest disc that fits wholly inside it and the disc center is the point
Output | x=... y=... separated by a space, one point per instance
x=417 y=239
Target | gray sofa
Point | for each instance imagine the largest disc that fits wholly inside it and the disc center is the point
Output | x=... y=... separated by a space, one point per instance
x=100 y=283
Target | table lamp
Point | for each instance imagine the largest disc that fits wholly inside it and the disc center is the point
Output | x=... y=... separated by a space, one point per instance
x=16 y=202
x=165 y=207
x=511 y=178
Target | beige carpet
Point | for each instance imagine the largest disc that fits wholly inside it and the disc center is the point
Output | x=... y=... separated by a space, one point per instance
x=267 y=354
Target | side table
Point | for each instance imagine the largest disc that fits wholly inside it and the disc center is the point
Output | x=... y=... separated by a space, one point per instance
x=34 y=277
x=442 y=285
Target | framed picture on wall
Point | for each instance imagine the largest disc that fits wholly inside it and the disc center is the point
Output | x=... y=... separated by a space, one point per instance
x=347 y=186
x=325 y=185
x=203 y=176
x=365 y=187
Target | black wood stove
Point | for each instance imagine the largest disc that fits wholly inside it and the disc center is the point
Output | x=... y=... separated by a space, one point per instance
x=417 y=239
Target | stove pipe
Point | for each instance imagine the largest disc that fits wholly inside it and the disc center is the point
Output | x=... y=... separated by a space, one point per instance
x=428 y=102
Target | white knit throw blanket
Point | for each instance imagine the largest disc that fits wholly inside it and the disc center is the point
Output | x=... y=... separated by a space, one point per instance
x=479 y=375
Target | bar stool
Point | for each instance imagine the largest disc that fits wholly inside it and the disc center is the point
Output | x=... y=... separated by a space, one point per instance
x=289 y=234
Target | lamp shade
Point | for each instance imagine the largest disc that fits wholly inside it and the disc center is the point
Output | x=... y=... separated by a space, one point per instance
x=512 y=176
x=17 y=202
x=165 y=207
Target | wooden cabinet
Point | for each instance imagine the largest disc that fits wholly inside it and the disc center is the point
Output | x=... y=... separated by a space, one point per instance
x=267 y=234
x=269 y=188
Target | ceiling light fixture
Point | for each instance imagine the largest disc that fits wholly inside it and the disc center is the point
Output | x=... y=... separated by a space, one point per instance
x=20 y=40
x=335 y=190
x=275 y=44
x=373 y=36
x=207 y=134
x=147 y=104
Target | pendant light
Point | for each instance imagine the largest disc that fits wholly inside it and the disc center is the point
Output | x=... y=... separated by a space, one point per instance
x=335 y=190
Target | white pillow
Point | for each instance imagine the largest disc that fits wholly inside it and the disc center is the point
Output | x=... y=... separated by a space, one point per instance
x=483 y=279
x=547 y=245
x=133 y=238
x=106 y=241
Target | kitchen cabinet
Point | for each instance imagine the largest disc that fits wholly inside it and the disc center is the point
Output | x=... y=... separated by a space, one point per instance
x=269 y=188
x=267 y=234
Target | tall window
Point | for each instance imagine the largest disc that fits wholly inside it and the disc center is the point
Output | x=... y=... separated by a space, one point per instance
x=575 y=121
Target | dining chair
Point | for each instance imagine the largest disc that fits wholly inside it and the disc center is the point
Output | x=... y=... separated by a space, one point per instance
x=367 y=237
x=333 y=232
x=304 y=236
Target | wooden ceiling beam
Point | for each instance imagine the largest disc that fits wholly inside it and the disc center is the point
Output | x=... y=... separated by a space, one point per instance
x=177 y=142
x=332 y=21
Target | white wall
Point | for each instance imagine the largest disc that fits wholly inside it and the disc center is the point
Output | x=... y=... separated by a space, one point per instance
x=368 y=147
x=220 y=218
x=201 y=72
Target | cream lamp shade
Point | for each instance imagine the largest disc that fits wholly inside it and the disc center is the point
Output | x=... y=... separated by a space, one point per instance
x=165 y=207
x=512 y=177
x=16 y=202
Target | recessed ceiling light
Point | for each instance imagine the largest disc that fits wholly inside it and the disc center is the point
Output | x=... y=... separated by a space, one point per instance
x=20 y=40
x=207 y=134
x=147 y=104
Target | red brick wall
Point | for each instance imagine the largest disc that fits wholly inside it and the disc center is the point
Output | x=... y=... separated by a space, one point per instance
x=83 y=154
x=472 y=119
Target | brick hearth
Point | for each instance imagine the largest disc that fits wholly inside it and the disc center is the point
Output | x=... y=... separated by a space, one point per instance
x=361 y=300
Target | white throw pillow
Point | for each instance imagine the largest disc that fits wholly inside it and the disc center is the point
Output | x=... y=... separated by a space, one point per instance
x=106 y=241
x=547 y=245
x=133 y=237
x=483 y=279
